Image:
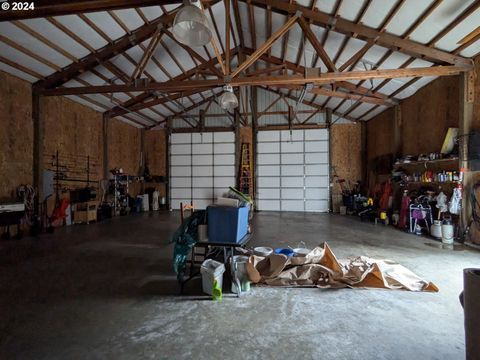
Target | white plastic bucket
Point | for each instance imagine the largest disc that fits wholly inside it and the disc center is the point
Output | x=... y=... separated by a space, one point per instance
x=211 y=270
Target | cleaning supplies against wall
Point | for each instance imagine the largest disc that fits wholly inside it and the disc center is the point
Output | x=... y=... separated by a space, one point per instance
x=436 y=229
x=155 y=196
x=447 y=231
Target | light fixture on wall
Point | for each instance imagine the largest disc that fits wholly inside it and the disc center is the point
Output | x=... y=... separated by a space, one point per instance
x=228 y=100
x=191 y=26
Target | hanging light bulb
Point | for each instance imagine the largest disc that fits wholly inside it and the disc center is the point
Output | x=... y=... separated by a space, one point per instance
x=191 y=27
x=228 y=100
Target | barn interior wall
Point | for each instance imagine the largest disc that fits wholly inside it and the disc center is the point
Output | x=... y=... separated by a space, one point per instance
x=16 y=134
x=156 y=142
x=72 y=129
x=425 y=119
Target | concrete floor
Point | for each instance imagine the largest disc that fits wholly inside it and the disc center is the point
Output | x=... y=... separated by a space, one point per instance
x=107 y=291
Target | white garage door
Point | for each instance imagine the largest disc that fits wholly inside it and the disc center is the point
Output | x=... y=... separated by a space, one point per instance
x=293 y=171
x=202 y=167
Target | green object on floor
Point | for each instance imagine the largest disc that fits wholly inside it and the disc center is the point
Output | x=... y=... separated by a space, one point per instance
x=217 y=291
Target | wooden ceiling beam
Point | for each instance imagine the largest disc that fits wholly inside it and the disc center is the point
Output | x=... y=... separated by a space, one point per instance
x=265 y=46
x=104 y=54
x=322 y=54
x=344 y=95
x=366 y=33
x=324 y=78
x=147 y=54
x=44 y=8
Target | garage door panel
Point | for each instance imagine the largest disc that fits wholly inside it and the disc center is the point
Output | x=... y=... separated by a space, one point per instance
x=292 y=182
x=228 y=137
x=180 y=171
x=320 y=134
x=316 y=181
x=181 y=149
x=203 y=138
x=180 y=138
x=225 y=170
x=203 y=193
x=202 y=159
x=316 y=169
x=316 y=194
x=268 y=170
x=268 y=147
x=292 y=205
x=224 y=159
x=203 y=182
x=316 y=205
x=223 y=182
x=316 y=158
x=266 y=136
x=202 y=148
x=266 y=182
x=291 y=147
x=266 y=194
x=292 y=194
x=177 y=160
x=269 y=205
x=292 y=158
x=181 y=182
x=316 y=146
x=292 y=170
x=224 y=148
x=202 y=171
x=180 y=194
x=268 y=159
x=297 y=135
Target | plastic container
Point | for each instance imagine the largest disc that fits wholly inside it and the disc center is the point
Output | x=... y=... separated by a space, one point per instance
x=211 y=270
x=227 y=224
x=447 y=231
x=285 y=251
x=239 y=272
x=436 y=229
x=262 y=251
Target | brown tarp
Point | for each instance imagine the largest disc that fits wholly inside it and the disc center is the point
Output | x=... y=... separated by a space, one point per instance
x=322 y=269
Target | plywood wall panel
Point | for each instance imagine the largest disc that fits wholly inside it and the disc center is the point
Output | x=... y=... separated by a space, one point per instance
x=124 y=147
x=428 y=114
x=346 y=156
x=155 y=151
x=75 y=131
x=16 y=134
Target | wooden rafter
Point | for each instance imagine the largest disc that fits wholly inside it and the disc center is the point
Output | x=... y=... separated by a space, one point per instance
x=265 y=46
x=44 y=8
x=322 y=54
x=349 y=96
x=147 y=54
x=227 y=37
x=98 y=57
x=325 y=78
x=366 y=33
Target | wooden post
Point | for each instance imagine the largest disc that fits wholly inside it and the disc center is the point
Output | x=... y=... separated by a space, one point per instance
x=253 y=104
x=168 y=126
x=328 y=122
x=105 y=130
x=466 y=119
x=238 y=147
x=397 y=131
x=364 y=155
x=38 y=148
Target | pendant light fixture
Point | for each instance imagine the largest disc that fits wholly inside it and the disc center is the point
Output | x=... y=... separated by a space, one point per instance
x=191 y=26
x=228 y=100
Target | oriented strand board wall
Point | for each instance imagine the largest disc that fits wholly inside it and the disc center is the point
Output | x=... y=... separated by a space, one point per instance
x=75 y=131
x=380 y=132
x=124 y=147
x=346 y=156
x=428 y=114
x=16 y=134
x=156 y=151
